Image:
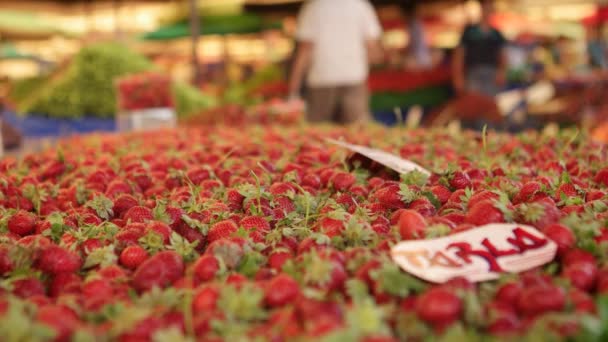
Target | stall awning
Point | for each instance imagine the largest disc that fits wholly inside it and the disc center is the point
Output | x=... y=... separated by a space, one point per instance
x=228 y=24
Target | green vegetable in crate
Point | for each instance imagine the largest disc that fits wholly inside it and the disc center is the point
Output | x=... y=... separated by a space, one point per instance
x=189 y=100
x=87 y=86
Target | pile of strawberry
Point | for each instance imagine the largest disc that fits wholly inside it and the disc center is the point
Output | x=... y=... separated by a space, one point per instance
x=144 y=91
x=271 y=234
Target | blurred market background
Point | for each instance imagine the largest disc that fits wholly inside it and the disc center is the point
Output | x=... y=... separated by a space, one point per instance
x=227 y=61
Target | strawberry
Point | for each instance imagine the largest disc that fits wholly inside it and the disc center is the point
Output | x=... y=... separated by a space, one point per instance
x=123 y=203
x=341 y=181
x=566 y=190
x=442 y=193
x=133 y=256
x=205 y=268
x=281 y=290
x=483 y=213
x=411 y=225
x=538 y=299
x=61 y=319
x=278 y=258
x=540 y=213
x=234 y=199
x=55 y=260
x=138 y=214
x=582 y=274
x=221 y=230
x=460 y=180
x=28 y=287
x=389 y=197
x=438 y=307
x=601 y=177
x=205 y=300
x=509 y=292
x=482 y=196
x=22 y=223
x=527 y=192
x=256 y=223
x=159 y=270
x=562 y=236
x=161 y=229
x=64 y=284
x=330 y=227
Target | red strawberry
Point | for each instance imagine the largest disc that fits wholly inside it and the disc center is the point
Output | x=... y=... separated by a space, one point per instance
x=160 y=270
x=61 y=319
x=527 y=192
x=509 y=292
x=281 y=290
x=22 y=223
x=28 y=287
x=234 y=199
x=581 y=274
x=277 y=259
x=311 y=180
x=54 y=260
x=602 y=177
x=540 y=213
x=138 y=214
x=343 y=180
x=423 y=206
x=256 y=223
x=482 y=196
x=411 y=225
x=538 y=299
x=221 y=230
x=206 y=267
x=567 y=190
x=460 y=180
x=161 y=229
x=441 y=192
x=123 y=203
x=562 y=236
x=583 y=302
x=133 y=256
x=64 y=283
x=438 y=307
x=484 y=213
x=330 y=227
x=389 y=197
x=205 y=300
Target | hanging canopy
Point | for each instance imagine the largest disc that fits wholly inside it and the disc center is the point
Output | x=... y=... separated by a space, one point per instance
x=226 y=24
x=8 y=51
x=26 y=25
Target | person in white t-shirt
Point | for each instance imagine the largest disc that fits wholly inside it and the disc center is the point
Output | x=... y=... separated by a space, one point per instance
x=337 y=40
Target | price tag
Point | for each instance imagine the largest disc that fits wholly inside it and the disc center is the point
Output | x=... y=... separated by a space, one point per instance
x=387 y=159
x=479 y=254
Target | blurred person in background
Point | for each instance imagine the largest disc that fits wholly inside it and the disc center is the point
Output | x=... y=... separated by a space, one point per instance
x=596 y=48
x=418 y=47
x=479 y=63
x=337 y=41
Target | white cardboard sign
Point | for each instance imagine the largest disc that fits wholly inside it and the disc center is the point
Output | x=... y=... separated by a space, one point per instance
x=389 y=160
x=479 y=254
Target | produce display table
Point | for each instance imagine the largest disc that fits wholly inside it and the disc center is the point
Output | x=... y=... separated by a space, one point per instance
x=273 y=233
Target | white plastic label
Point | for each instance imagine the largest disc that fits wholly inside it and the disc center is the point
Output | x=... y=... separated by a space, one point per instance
x=147 y=119
x=479 y=254
x=389 y=160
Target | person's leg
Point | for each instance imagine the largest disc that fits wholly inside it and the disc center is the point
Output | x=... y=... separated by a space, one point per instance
x=354 y=101
x=321 y=104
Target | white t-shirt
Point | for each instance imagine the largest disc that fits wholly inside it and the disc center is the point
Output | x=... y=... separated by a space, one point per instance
x=338 y=30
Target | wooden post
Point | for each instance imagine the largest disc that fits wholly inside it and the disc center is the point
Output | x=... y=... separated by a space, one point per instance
x=195 y=30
